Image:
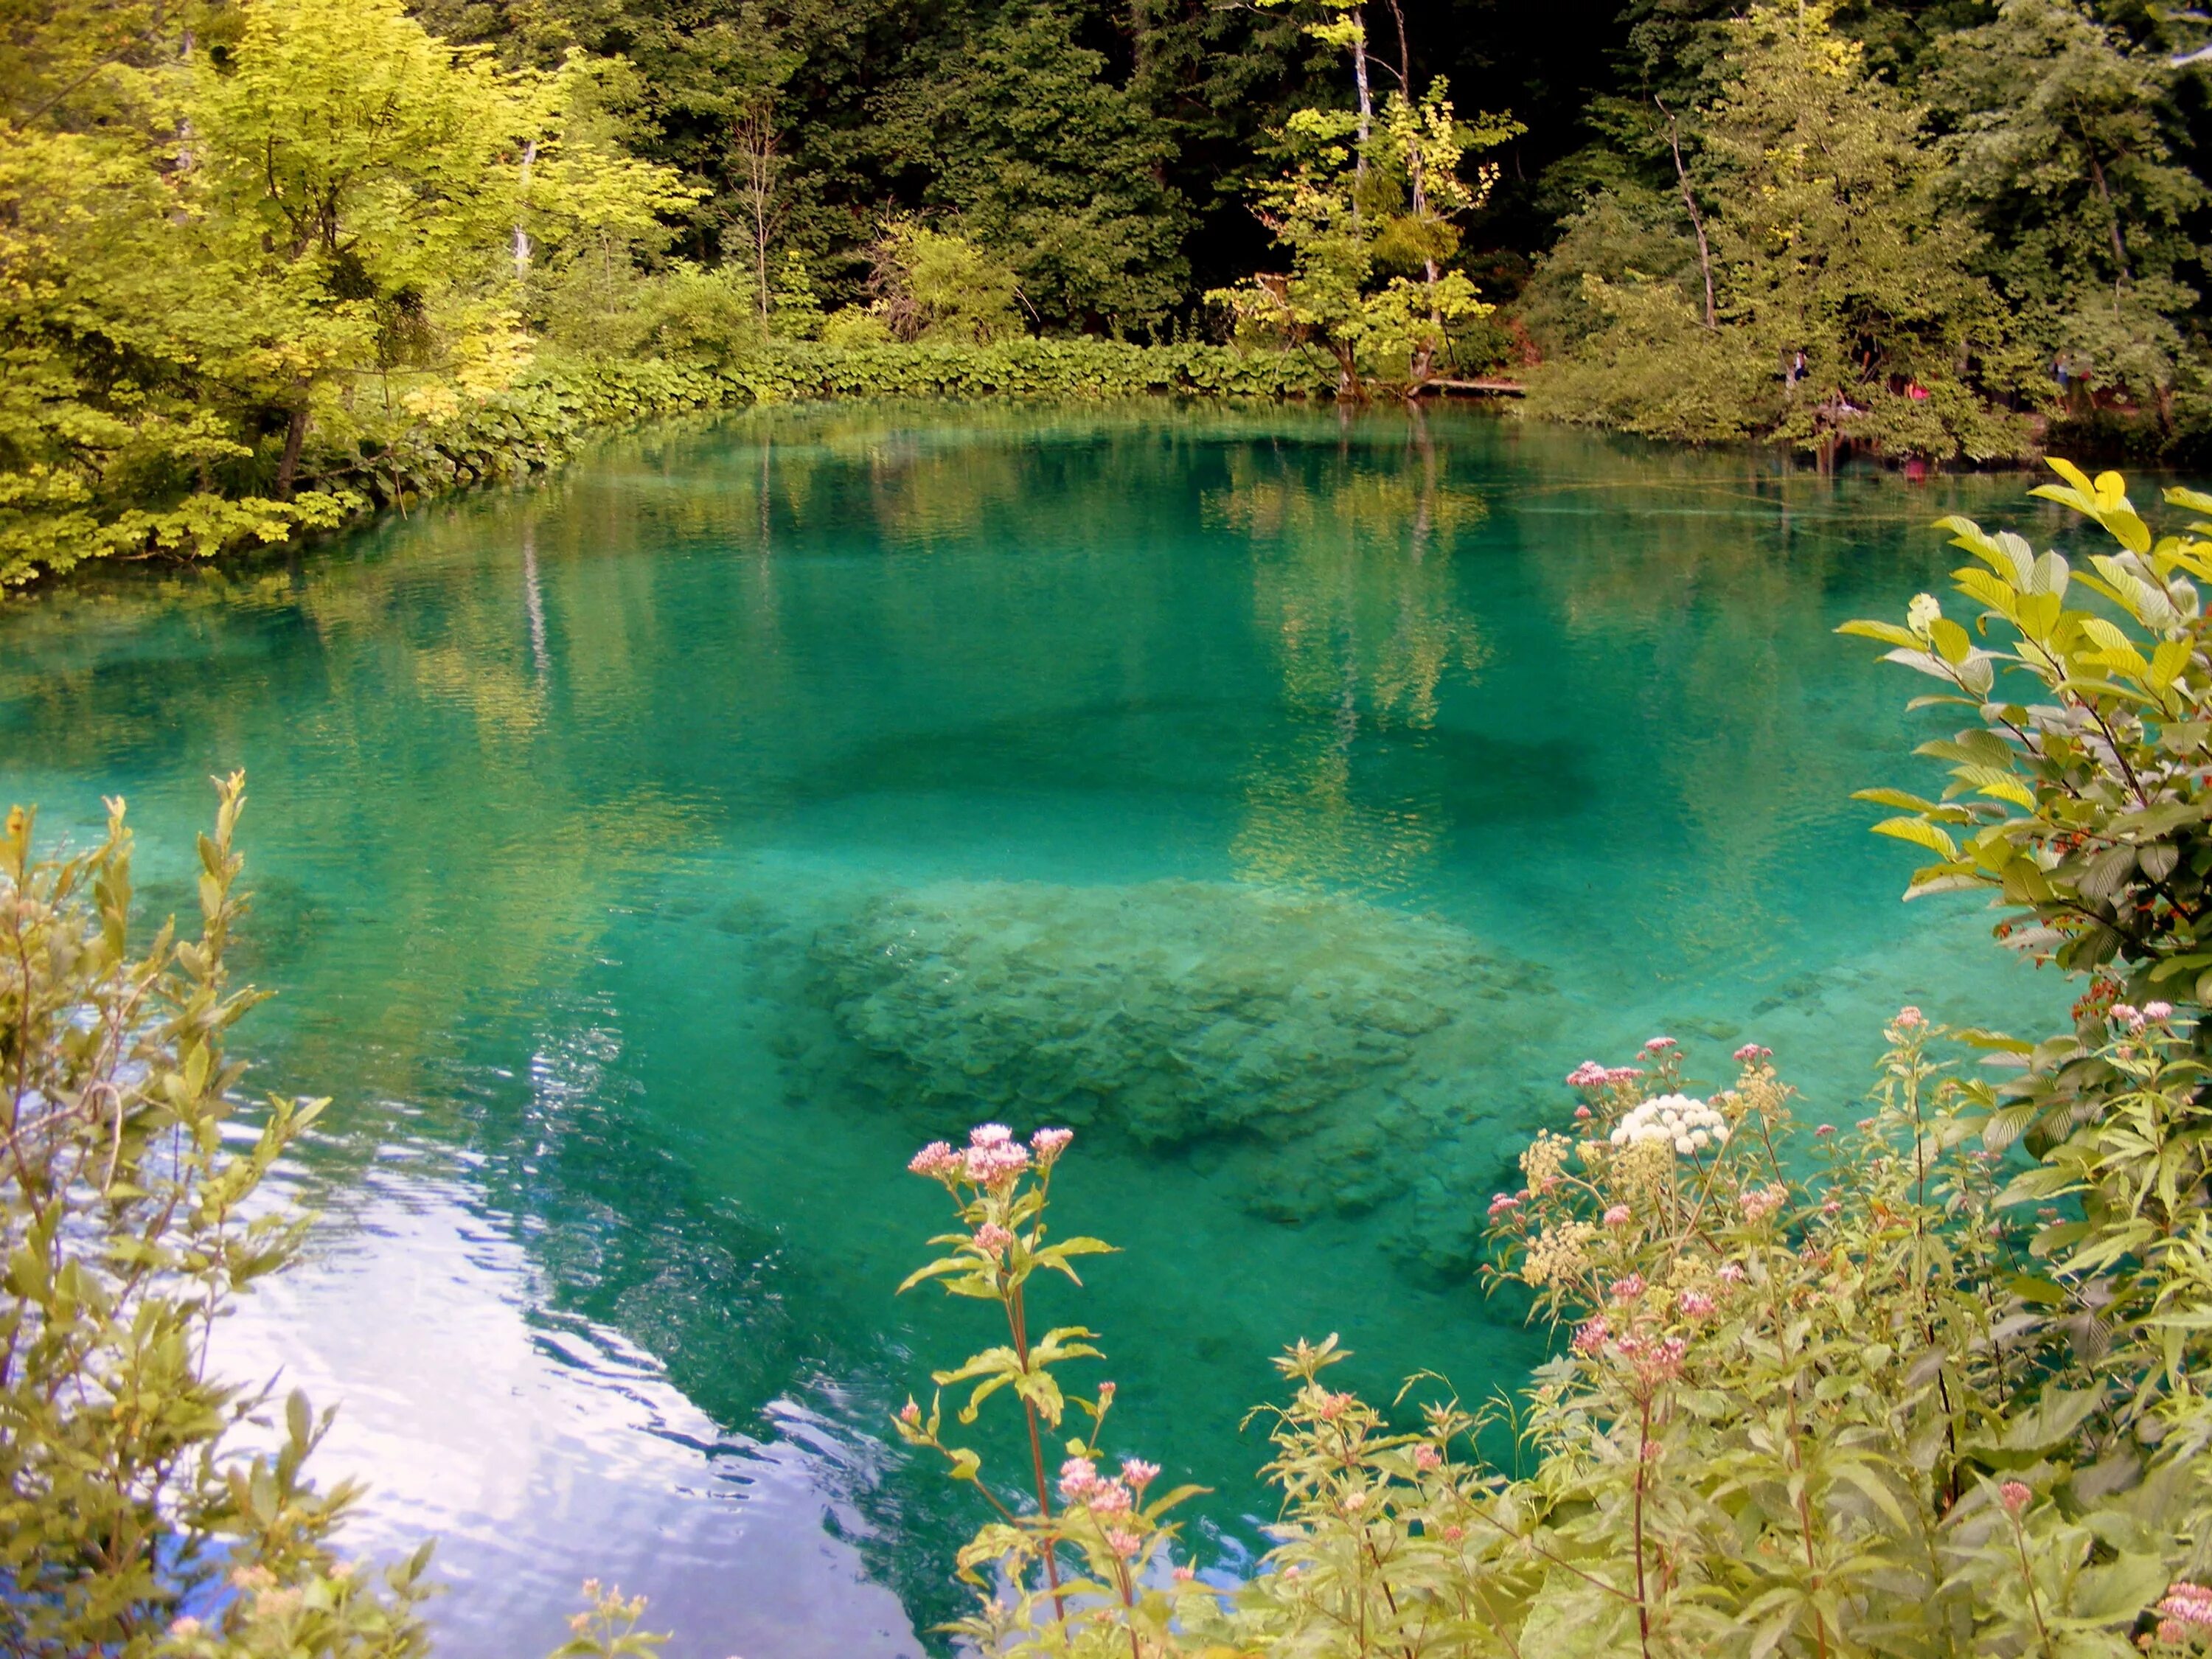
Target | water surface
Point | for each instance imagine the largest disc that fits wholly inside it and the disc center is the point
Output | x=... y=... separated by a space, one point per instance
x=648 y=860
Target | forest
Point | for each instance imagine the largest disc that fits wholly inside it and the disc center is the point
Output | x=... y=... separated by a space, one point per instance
x=272 y=264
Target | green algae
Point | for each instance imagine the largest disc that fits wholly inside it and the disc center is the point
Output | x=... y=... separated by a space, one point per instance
x=1326 y=1039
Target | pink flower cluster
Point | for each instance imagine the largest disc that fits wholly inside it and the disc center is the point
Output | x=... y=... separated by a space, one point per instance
x=1751 y=1054
x=1591 y=1075
x=1656 y=1360
x=1659 y=1045
x=1696 y=1304
x=1909 y=1018
x=1628 y=1288
x=1081 y=1483
x=1591 y=1336
x=2135 y=1019
x=1426 y=1458
x=1503 y=1204
x=1617 y=1216
x=2185 y=1606
x=2015 y=1496
x=993 y=1239
x=992 y=1157
x=1758 y=1203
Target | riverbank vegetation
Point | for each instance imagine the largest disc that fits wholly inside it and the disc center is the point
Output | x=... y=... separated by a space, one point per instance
x=269 y=265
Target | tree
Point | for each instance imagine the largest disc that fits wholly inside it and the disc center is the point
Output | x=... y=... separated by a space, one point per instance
x=1051 y=166
x=233 y=279
x=2057 y=149
x=1369 y=211
x=1845 y=308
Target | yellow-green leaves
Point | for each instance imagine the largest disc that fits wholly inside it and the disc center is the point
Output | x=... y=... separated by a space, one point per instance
x=2104 y=499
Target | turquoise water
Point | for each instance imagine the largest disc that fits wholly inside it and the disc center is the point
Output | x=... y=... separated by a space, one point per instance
x=649 y=860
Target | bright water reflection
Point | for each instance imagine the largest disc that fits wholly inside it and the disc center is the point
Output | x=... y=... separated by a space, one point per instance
x=651 y=860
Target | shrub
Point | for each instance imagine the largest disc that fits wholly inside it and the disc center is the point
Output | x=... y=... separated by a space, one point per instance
x=129 y=1522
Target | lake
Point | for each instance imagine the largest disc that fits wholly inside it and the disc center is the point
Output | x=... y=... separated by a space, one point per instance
x=650 y=859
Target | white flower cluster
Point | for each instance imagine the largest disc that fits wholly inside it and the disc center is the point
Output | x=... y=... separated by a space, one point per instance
x=1687 y=1125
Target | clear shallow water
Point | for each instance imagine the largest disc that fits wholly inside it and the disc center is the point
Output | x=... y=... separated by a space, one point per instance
x=649 y=860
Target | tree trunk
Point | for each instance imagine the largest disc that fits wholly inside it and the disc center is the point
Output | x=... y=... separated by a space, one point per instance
x=1697 y=219
x=296 y=434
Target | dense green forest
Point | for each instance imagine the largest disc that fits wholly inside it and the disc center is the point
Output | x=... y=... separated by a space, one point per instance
x=265 y=265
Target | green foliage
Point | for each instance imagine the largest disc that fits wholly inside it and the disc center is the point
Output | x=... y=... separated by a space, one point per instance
x=2058 y=150
x=939 y=287
x=129 y=1223
x=236 y=277
x=1056 y=170
x=1810 y=225
x=1370 y=212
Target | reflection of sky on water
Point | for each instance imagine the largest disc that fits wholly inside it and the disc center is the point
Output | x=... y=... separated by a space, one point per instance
x=531 y=1444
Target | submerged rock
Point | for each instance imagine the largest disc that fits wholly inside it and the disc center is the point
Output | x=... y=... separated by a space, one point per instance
x=1333 y=1040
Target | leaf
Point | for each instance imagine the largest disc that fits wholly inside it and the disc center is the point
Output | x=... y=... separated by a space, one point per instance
x=1921 y=833
x=1887 y=633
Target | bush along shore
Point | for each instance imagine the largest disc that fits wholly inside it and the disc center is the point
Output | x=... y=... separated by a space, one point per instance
x=552 y=408
x=1932 y=1383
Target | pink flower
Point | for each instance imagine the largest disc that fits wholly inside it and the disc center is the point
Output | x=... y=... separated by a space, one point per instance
x=995 y=1163
x=1659 y=1045
x=1330 y=1406
x=1760 y=1202
x=1751 y=1053
x=1824 y=1130
x=2172 y=1631
x=1587 y=1075
x=1909 y=1018
x=1590 y=1338
x=1049 y=1143
x=2130 y=1019
x=2015 y=1496
x=990 y=1134
x=1138 y=1473
x=1105 y=1395
x=2188 y=1604
x=1501 y=1203
x=1732 y=1272
x=1109 y=1497
x=1354 y=1502
x=911 y=1413
x=1453 y=1533
x=1628 y=1288
x=1834 y=1206
x=934 y=1160
x=1617 y=1216
x=185 y=1628
x=1581 y=1114
x=1696 y=1304
x=993 y=1239
x=1124 y=1544
x=1621 y=1074
x=1077 y=1476
x=1184 y=1575
x=2158 y=1011
x=1427 y=1457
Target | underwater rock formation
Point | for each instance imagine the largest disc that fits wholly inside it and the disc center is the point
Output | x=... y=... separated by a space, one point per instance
x=1328 y=1040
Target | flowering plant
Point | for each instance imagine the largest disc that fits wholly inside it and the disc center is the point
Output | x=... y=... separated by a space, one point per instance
x=1109 y=1531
